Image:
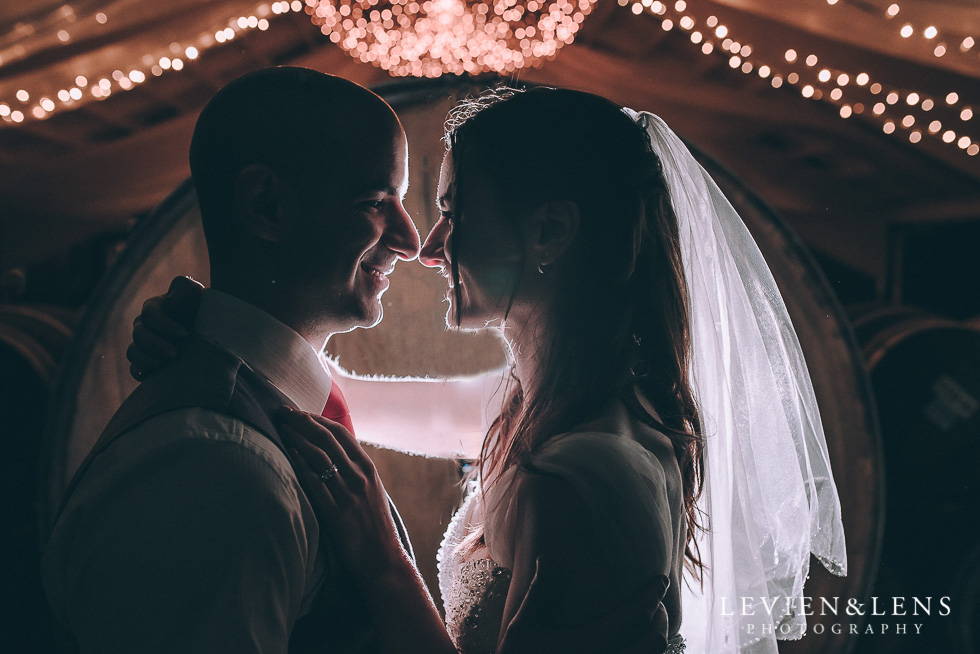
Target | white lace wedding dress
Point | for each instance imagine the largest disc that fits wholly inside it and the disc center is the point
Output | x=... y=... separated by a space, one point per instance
x=610 y=465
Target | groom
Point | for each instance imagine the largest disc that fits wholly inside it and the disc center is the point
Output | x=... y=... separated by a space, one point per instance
x=186 y=529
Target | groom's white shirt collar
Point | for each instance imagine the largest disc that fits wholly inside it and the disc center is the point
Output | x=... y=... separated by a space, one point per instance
x=269 y=347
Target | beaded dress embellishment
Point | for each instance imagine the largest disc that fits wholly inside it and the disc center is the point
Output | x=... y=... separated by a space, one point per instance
x=473 y=592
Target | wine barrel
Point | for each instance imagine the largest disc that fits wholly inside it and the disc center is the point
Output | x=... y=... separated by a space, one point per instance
x=32 y=342
x=925 y=371
x=413 y=340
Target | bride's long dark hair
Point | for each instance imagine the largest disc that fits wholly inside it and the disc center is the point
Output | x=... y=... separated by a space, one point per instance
x=619 y=314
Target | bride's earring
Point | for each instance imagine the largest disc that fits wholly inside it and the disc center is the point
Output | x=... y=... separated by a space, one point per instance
x=542 y=266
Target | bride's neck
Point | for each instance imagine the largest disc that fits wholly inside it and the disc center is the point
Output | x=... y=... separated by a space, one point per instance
x=526 y=337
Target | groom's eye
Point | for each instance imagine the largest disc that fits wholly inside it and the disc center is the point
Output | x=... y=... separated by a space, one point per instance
x=371 y=205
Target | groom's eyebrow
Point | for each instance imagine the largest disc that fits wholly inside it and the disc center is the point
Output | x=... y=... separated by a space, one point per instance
x=387 y=189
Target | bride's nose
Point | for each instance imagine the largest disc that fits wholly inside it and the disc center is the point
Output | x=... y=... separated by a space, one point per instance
x=433 y=253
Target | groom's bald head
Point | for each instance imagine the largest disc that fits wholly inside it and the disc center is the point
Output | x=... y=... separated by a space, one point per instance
x=302 y=124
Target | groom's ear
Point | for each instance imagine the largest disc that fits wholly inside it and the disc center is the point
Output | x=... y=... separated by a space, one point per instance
x=553 y=228
x=259 y=199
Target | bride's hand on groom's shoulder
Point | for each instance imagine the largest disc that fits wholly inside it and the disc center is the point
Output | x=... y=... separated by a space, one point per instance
x=638 y=626
x=162 y=326
x=343 y=486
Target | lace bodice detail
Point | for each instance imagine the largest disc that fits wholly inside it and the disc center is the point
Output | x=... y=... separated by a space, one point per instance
x=474 y=592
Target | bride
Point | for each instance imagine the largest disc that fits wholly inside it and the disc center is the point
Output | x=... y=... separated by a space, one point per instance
x=658 y=418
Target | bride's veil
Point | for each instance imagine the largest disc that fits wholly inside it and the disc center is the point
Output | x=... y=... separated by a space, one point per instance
x=769 y=494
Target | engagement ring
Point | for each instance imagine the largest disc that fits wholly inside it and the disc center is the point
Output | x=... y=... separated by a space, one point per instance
x=328 y=474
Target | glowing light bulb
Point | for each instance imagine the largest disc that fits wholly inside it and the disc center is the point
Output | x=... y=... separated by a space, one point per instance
x=862 y=79
x=891 y=98
x=101 y=18
x=792 y=78
x=845 y=111
x=966 y=114
x=908 y=121
x=949 y=136
x=973 y=150
x=836 y=95
x=776 y=81
x=75 y=93
x=696 y=37
x=811 y=60
x=824 y=75
x=4 y=111
x=791 y=55
x=907 y=31
x=63 y=36
x=721 y=31
x=935 y=126
x=952 y=98
x=23 y=95
x=930 y=32
x=967 y=43
x=707 y=48
x=888 y=127
x=912 y=99
x=191 y=52
x=892 y=10
x=807 y=91
x=878 y=109
x=764 y=71
x=843 y=79
x=964 y=142
x=940 y=50
x=915 y=136
x=17 y=116
x=875 y=88
x=927 y=104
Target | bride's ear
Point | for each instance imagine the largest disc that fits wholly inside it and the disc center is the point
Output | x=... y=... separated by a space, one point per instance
x=553 y=228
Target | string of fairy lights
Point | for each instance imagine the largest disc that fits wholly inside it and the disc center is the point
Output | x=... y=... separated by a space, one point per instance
x=510 y=34
x=897 y=110
x=26 y=105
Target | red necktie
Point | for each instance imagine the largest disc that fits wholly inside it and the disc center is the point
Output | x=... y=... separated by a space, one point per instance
x=336 y=408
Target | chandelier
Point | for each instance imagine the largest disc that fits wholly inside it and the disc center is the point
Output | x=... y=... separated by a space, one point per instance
x=429 y=38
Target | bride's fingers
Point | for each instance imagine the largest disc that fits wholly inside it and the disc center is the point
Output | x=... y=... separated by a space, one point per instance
x=157 y=316
x=310 y=453
x=346 y=440
x=142 y=363
x=305 y=427
x=317 y=490
x=320 y=450
x=152 y=343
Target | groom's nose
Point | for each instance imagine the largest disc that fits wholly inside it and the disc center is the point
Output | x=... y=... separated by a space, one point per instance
x=401 y=236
